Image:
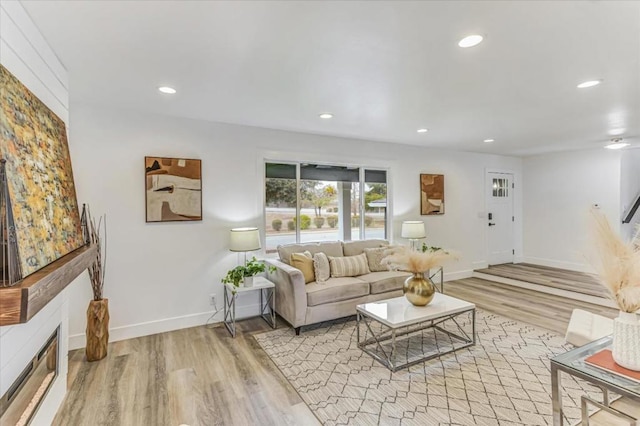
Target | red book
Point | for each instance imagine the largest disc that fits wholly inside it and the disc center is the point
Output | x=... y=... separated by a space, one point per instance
x=604 y=360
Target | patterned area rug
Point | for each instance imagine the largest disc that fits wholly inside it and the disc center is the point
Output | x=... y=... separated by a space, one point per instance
x=504 y=379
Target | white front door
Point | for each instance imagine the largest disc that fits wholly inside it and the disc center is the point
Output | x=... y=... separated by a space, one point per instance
x=500 y=217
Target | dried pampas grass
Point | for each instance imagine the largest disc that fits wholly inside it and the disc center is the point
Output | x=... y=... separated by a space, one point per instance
x=404 y=259
x=617 y=263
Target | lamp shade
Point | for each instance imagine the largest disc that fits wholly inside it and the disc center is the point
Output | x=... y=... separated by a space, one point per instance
x=413 y=229
x=244 y=239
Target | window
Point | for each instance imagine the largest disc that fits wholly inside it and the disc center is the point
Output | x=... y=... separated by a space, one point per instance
x=316 y=202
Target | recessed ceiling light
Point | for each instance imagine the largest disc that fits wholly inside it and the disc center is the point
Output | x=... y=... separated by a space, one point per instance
x=470 y=41
x=166 y=89
x=488 y=140
x=616 y=132
x=423 y=130
x=589 y=83
x=616 y=144
x=326 y=115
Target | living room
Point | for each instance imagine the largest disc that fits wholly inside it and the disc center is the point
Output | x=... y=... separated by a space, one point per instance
x=251 y=80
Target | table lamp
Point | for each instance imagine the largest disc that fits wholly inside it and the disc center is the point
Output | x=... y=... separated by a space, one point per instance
x=413 y=230
x=244 y=240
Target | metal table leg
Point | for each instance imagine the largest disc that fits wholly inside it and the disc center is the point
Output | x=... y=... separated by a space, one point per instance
x=230 y=311
x=267 y=301
x=556 y=396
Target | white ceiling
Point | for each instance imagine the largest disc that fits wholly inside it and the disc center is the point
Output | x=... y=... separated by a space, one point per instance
x=384 y=69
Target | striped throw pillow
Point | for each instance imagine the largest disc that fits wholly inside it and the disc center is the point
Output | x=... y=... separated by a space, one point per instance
x=348 y=266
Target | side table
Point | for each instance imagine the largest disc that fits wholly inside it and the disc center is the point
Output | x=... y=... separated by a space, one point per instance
x=267 y=301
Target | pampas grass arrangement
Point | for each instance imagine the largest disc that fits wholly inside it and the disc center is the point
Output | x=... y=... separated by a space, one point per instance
x=405 y=259
x=617 y=263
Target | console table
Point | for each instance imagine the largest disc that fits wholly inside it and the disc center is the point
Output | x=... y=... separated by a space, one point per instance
x=573 y=363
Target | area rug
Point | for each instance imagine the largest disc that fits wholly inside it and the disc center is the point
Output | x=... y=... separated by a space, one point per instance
x=504 y=379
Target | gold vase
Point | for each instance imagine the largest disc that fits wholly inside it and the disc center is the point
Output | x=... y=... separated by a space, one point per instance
x=418 y=289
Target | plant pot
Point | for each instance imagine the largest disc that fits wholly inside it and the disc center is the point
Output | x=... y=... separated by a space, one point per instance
x=97 y=329
x=418 y=289
x=626 y=341
x=248 y=281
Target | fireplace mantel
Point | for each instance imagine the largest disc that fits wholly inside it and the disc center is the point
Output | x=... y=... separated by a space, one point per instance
x=20 y=303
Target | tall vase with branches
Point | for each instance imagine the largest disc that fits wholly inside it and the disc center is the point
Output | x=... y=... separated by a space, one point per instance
x=617 y=263
x=97 y=332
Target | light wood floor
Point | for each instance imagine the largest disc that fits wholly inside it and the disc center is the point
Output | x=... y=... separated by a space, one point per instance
x=201 y=376
x=578 y=282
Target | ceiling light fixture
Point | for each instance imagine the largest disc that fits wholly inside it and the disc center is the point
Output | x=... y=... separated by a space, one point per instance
x=616 y=143
x=422 y=130
x=488 y=140
x=168 y=90
x=470 y=41
x=326 y=115
x=589 y=83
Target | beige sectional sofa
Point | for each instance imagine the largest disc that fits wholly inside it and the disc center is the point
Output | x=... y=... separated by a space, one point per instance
x=303 y=304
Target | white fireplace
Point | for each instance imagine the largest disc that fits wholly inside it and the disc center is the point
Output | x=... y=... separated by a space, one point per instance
x=21 y=344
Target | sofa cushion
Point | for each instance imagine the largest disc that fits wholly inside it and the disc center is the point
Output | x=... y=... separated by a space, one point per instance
x=321 y=267
x=354 y=248
x=335 y=290
x=330 y=248
x=304 y=262
x=382 y=282
x=374 y=258
x=348 y=266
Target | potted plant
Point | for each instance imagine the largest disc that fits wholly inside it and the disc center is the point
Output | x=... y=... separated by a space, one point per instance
x=618 y=266
x=245 y=273
x=97 y=332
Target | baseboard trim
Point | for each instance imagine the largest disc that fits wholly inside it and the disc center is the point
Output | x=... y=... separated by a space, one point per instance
x=458 y=275
x=572 y=266
x=549 y=290
x=480 y=264
x=148 y=328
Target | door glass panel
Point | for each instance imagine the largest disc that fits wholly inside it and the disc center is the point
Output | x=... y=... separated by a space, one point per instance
x=500 y=187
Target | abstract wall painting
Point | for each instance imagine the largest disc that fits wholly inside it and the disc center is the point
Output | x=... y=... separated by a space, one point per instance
x=33 y=141
x=173 y=189
x=431 y=194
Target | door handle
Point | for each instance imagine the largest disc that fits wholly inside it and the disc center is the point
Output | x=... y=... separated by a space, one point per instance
x=492 y=224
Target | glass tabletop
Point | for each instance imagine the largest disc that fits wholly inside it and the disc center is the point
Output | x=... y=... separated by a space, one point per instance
x=574 y=362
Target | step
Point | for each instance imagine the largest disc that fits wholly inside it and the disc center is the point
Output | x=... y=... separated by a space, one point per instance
x=600 y=301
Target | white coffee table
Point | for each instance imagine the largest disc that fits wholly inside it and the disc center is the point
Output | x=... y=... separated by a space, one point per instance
x=399 y=334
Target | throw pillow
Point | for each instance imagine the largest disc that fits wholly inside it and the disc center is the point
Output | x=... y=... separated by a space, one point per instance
x=348 y=266
x=321 y=267
x=304 y=262
x=374 y=258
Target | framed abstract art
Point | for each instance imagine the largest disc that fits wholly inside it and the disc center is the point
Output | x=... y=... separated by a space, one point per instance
x=173 y=188
x=431 y=194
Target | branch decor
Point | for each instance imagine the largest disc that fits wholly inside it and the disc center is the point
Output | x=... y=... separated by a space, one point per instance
x=98 y=311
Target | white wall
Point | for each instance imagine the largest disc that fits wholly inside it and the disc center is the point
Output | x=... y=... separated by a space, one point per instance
x=25 y=53
x=559 y=190
x=629 y=187
x=159 y=275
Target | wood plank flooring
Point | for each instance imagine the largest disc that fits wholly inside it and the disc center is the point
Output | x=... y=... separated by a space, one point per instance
x=201 y=376
x=578 y=282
